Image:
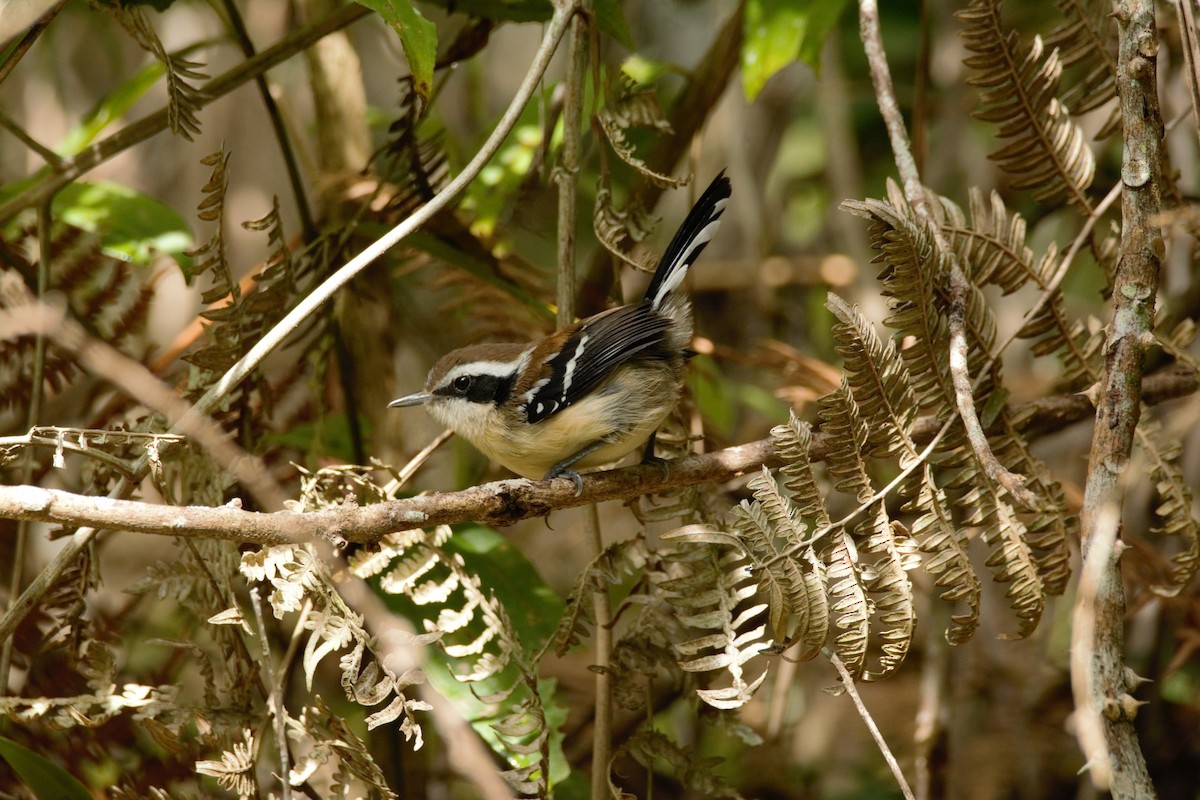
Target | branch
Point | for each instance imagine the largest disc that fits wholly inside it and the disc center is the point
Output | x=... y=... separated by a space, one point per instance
x=959 y=288
x=1119 y=765
x=499 y=503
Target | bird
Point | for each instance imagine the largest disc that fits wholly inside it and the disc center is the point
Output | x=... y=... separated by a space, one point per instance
x=589 y=394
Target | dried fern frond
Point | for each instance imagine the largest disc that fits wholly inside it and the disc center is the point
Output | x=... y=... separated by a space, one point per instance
x=635 y=108
x=617 y=561
x=878 y=380
x=1088 y=37
x=848 y=433
x=1046 y=151
x=712 y=597
x=184 y=99
x=654 y=751
x=1176 y=511
x=950 y=562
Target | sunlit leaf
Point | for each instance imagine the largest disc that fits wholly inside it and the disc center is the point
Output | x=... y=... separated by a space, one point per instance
x=131 y=226
x=778 y=32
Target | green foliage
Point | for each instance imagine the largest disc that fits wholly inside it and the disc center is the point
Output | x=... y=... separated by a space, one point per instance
x=130 y=225
x=418 y=37
x=47 y=780
x=780 y=32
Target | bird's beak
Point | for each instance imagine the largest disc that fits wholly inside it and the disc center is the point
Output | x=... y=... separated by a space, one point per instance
x=417 y=399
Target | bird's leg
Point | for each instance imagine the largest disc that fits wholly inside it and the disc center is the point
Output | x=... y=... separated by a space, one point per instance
x=562 y=470
x=648 y=456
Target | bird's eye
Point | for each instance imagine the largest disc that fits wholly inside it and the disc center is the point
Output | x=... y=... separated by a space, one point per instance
x=462 y=383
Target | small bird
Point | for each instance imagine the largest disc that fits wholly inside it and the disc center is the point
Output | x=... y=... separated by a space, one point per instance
x=589 y=394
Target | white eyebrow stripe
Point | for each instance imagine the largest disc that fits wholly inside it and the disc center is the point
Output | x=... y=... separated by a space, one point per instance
x=500 y=369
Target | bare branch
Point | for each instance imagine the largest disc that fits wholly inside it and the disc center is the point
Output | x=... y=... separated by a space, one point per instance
x=498 y=503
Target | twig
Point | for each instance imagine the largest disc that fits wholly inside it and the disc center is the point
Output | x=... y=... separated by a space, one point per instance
x=274 y=698
x=27 y=40
x=1118 y=401
x=498 y=503
x=959 y=288
x=848 y=684
x=1186 y=15
x=602 y=721
x=1088 y=720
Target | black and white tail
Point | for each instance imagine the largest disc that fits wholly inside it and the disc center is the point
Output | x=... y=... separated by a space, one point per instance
x=695 y=232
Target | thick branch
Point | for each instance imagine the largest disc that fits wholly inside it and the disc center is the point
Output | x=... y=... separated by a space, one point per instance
x=1119 y=764
x=498 y=503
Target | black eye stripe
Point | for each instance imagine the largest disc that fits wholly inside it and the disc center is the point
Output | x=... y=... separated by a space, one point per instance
x=478 y=388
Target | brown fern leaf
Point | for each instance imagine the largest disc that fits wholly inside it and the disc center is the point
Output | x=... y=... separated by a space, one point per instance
x=1088 y=37
x=950 y=563
x=184 y=99
x=1175 y=511
x=1046 y=151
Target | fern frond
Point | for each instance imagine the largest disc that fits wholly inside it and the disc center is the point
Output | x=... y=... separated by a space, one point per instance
x=614 y=564
x=184 y=99
x=1046 y=150
x=793 y=441
x=635 y=108
x=848 y=602
x=654 y=750
x=1088 y=37
x=848 y=434
x=891 y=590
x=712 y=598
x=1011 y=558
x=1176 y=511
x=879 y=381
x=950 y=563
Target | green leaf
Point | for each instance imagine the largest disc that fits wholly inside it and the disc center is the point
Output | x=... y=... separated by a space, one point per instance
x=778 y=32
x=48 y=780
x=111 y=108
x=418 y=37
x=132 y=226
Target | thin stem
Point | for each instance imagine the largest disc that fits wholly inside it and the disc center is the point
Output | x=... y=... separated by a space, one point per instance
x=274 y=700
x=27 y=41
x=848 y=684
x=567 y=175
x=959 y=287
x=48 y=155
x=272 y=108
x=602 y=726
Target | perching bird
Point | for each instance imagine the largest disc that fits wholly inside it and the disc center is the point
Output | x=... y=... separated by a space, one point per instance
x=589 y=394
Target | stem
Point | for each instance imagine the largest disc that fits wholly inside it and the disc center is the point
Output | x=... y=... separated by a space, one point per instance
x=848 y=684
x=602 y=727
x=567 y=175
x=1119 y=765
